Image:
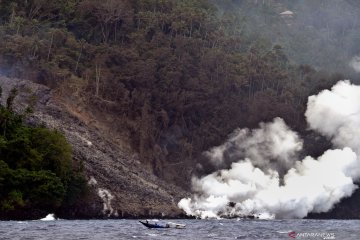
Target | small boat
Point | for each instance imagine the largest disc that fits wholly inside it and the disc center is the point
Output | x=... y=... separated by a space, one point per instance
x=158 y=224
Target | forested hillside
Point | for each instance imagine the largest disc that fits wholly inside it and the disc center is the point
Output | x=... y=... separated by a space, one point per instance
x=323 y=34
x=166 y=79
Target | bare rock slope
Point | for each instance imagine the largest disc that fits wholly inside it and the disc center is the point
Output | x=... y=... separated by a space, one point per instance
x=121 y=187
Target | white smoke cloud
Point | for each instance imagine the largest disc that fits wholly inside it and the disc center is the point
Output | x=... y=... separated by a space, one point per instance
x=336 y=114
x=355 y=63
x=107 y=197
x=252 y=183
x=273 y=145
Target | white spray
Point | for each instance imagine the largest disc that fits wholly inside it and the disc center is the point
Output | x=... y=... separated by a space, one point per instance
x=251 y=164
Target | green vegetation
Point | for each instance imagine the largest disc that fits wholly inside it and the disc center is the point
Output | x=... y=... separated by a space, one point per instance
x=177 y=75
x=36 y=169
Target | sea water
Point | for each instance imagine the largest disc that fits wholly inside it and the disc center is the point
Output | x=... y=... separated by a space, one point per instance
x=195 y=229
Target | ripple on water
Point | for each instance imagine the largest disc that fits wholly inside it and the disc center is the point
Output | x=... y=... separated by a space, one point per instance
x=196 y=229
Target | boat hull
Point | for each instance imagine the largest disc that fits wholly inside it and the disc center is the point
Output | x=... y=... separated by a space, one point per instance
x=154 y=225
x=157 y=224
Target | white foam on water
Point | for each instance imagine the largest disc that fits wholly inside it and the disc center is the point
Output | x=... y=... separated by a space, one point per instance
x=49 y=217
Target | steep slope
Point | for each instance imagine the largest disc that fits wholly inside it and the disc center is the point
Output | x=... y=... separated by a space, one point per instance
x=142 y=96
x=120 y=186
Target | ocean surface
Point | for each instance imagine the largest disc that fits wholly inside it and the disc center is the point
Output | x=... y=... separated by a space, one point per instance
x=195 y=229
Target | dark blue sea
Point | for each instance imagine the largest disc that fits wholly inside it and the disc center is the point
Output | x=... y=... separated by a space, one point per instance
x=195 y=229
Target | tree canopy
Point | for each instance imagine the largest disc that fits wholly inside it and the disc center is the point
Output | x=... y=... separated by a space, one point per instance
x=36 y=170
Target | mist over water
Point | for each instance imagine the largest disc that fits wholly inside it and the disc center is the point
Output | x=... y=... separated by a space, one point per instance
x=259 y=172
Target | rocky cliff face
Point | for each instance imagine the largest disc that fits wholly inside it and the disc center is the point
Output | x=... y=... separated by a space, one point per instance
x=121 y=187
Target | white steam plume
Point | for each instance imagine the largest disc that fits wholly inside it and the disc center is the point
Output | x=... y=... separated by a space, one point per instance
x=355 y=63
x=251 y=184
x=336 y=114
x=273 y=145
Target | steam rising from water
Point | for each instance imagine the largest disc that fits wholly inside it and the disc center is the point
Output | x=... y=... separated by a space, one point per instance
x=260 y=174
